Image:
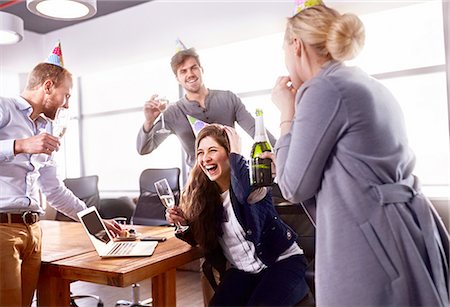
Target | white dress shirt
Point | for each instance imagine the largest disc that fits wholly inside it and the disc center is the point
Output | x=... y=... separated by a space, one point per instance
x=23 y=175
x=240 y=252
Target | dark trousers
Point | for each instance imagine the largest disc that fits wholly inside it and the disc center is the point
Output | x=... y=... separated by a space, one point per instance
x=281 y=284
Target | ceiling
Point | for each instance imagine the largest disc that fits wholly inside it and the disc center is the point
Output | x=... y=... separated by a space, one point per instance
x=42 y=25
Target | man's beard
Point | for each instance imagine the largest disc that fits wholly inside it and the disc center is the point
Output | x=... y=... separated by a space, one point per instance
x=49 y=113
x=194 y=88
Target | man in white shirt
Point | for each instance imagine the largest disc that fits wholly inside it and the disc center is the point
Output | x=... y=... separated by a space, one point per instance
x=26 y=146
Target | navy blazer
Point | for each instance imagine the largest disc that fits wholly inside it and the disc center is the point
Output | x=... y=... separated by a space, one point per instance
x=260 y=221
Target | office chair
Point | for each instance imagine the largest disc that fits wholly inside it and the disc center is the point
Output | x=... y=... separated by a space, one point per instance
x=151 y=212
x=111 y=208
x=298 y=218
x=86 y=189
x=149 y=209
x=302 y=218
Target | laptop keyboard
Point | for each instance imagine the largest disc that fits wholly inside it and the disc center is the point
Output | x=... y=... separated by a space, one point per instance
x=122 y=248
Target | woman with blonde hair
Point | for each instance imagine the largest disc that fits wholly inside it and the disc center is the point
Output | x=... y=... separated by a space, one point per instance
x=265 y=265
x=343 y=141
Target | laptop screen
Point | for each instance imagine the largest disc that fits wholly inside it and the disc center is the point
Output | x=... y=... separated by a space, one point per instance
x=95 y=227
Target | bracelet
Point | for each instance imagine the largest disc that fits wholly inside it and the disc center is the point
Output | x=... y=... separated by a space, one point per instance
x=286 y=122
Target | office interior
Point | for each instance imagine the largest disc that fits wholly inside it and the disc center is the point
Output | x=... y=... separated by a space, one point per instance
x=119 y=60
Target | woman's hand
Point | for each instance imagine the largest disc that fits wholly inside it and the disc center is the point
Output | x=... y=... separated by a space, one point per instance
x=271 y=156
x=175 y=215
x=114 y=228
x=234 y=138
x=283 y=96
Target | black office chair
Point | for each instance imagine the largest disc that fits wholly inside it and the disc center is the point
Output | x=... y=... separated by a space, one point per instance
x=149 y=209
x=111 y=208
x=86 y=189
x=151 y=212
x=298 y=219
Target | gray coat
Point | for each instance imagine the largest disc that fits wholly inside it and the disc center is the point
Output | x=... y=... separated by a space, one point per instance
x=378 y=242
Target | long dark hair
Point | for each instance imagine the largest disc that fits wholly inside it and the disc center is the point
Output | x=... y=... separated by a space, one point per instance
x=201 y=201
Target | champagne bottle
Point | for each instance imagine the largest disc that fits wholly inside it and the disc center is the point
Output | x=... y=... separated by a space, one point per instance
x=260 y=169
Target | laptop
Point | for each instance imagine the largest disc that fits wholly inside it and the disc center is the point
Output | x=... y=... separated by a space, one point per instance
x=103 y=241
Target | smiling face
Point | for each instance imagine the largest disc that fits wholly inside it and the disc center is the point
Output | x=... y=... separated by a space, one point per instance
x=213 y=160
x=189 y=75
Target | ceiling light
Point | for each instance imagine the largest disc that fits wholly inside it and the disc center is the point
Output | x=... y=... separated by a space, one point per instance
x=63 y=9
x=11 y=28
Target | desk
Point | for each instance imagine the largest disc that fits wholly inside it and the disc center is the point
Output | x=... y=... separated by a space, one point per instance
x=68 y=255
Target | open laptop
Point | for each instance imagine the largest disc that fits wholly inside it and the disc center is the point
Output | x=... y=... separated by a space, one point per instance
x=103 y=241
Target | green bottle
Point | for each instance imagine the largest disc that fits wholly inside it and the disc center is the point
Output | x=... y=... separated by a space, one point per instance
x=260 y=169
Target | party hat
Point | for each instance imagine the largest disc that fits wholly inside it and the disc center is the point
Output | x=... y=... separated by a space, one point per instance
x=196 y=124
x=179 y=46
x=55 y=57
x=304 y=4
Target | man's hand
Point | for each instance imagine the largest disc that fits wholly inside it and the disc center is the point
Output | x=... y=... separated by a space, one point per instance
x=42 y=143
x=151 y=111
x=114 y=228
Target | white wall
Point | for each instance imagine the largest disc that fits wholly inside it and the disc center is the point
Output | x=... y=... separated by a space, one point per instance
x=23 y=56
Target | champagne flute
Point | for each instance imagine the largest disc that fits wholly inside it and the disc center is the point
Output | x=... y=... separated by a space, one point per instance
x=163 y=102
x=167 y=198
x=60 y=122
x=59 y=127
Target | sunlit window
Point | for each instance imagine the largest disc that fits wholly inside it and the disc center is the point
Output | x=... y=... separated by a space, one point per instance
x=403 y=38
x=110 y=152
x=408 y=42
x=112 y=114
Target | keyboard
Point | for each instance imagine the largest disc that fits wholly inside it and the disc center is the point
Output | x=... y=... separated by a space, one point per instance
x=122 y=248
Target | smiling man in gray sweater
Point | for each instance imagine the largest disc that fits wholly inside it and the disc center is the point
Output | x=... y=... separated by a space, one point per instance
x=209 y=106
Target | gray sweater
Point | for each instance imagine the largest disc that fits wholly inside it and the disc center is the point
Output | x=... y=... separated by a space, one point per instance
x=221 y=107
x=377 y=236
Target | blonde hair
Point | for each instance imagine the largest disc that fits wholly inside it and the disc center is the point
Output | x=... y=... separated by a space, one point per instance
x=331 y=34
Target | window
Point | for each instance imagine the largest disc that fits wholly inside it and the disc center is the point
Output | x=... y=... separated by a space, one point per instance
x=111 y=116
x=405 y=50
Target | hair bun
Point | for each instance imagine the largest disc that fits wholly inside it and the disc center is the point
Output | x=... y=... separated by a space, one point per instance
x=346 y=37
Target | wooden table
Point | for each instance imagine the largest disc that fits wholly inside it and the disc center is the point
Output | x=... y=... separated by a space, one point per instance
x=68 y=255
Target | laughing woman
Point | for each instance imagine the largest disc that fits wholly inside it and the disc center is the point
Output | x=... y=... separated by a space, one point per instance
x=266 y=266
